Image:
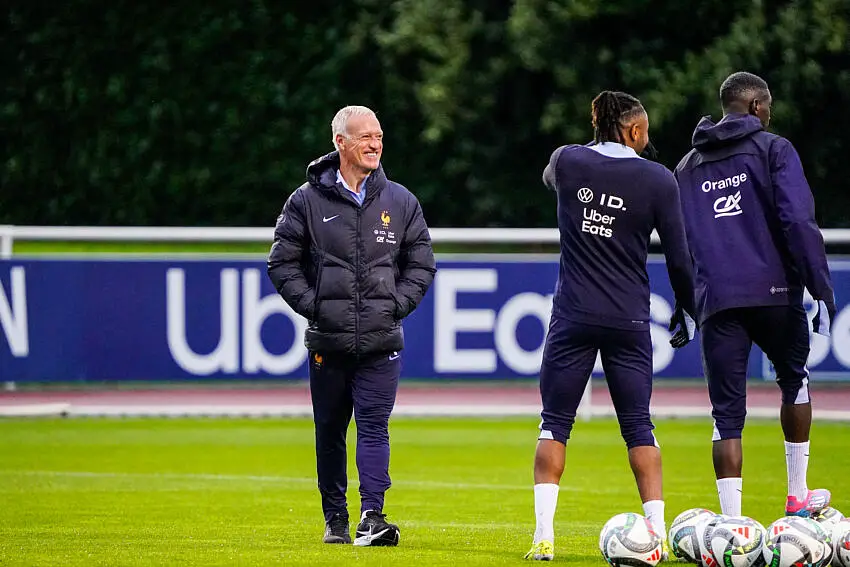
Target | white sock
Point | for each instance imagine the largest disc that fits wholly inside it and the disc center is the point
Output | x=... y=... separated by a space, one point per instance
x=654 y=512
x=730 y=490
x=545 y=502
x=797 y=463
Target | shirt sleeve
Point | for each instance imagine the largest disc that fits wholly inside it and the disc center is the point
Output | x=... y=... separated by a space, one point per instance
x=670 y=225
x=795 y=207
x=550 y=174
x=284 y=263
x=416 y=262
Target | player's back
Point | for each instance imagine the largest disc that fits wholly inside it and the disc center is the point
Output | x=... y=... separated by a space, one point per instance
x=742 y=189
x=608 y=204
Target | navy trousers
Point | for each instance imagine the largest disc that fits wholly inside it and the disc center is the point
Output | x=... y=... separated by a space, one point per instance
x=727 y=337
x=340 y=385
x=568 y=359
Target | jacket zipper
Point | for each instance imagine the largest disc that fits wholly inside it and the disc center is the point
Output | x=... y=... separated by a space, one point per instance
x=320 y=270
x=358 y=241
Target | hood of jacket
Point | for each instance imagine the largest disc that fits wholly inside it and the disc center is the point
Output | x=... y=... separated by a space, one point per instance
x=321 y=173
x=731 y=128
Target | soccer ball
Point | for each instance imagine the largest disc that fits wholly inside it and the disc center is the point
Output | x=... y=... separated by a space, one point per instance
x=630 y=539
x=828 y=517
x=703 y=535
x=683 y=537
x=798 y=542
x=841 y=543
x=737 y=542
x=829 y=548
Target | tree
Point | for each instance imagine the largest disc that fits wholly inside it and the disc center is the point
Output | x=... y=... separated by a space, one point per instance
x=207 y=113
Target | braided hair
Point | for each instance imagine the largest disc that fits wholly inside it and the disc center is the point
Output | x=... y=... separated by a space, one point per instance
x=613 y=110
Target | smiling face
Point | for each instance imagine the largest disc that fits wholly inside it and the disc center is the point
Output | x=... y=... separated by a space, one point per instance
x=362 y=145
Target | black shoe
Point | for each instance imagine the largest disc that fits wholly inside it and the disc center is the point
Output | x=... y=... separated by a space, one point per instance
x=336 y=530
x=374 y=530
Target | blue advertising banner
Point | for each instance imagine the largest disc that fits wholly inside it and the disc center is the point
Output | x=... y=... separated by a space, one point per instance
x=166 y=319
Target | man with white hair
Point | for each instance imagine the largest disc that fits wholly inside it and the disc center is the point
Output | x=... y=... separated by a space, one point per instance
x=352 y=254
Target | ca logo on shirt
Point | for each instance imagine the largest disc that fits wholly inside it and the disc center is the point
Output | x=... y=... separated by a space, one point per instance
x=728 y=206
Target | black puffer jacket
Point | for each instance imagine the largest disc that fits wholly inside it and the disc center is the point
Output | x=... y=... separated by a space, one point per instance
x=353 y=272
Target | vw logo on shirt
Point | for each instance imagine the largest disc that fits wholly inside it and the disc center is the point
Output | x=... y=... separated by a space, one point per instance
x=585 y=195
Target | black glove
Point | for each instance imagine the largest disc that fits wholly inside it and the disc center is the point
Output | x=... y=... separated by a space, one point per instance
x=822 y=323
x=686 y=328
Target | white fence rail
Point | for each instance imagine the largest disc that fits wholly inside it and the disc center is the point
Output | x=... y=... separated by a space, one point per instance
x=10 y=233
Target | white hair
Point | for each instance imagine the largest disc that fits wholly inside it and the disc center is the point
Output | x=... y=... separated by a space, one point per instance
x=339 y=125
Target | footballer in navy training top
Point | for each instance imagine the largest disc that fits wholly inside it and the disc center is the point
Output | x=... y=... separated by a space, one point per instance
x=609 y=201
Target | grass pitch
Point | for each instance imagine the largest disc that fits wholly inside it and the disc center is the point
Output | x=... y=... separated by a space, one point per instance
x=243 y=492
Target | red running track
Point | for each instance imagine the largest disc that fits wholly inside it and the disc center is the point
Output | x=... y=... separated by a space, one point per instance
x=829 y=397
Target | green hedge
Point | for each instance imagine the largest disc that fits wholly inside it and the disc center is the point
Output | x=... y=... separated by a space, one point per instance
x=206 y=113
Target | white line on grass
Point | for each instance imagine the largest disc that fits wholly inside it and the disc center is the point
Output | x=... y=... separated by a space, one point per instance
x=294 y=480
x=305 y=410
x=163 y=476
x=512 y=527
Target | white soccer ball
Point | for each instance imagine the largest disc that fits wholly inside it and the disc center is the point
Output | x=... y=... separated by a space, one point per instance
x=828 y=517
x=841 y=543
x=630 y=539
x=682 y=536
x=829 y=548
x=798 y=542
x=703 y=534
x=737 y=541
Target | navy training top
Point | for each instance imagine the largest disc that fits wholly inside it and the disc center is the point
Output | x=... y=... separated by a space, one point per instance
x=609 y=202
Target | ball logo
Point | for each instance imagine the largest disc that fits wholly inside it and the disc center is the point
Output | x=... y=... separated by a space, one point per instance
x=585 y=195
x=742 y=530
